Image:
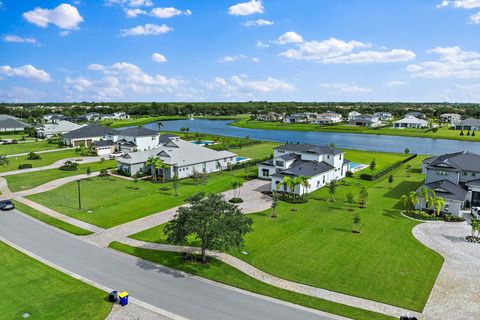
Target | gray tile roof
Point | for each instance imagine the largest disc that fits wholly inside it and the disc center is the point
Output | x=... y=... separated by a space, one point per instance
x=166 y=138
x=104 y=143
x=137 y=132
x=448 y=190
x=310 y=148
x=90 y=131
x=289 y=156
x=463 y=160
x=305 y=168
x=469 y=122
x=475 y=183
x=10 y=123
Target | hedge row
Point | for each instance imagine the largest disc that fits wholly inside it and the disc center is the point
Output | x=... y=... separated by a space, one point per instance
x=248 y=163
x=366 y=176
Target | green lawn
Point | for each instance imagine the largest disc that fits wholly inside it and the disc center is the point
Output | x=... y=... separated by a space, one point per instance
x=29 y=180
x=139 y=121
x=256 y=151
x=223 y=273
x=46 y=159
x=312 y=243
x=383 y=160
x=29 y=286
x=26 y=147
x=442 y=133
x=122 y=201
x=65 y=226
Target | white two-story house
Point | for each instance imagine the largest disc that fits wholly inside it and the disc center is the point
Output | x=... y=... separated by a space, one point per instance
x=320 y=164
x=456 y=178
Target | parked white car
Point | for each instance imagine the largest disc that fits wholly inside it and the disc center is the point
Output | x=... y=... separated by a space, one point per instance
x=116 y=155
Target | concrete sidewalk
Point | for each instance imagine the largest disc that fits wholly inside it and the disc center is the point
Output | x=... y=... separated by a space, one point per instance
x=55 y=165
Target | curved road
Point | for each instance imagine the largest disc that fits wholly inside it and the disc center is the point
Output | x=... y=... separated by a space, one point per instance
x=161 y=287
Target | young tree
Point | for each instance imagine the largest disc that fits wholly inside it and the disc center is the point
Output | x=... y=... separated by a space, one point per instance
x=408 y=170
x=438 y=204
x=356 y=223
x=373 y=165
x=332 y=188
x=196 y=177
x=274 y=204
x=407 y=151
x=236 y=185
x=135 y=180
x=88 y=171
x=175 y=184
x=475 y=224
x=409 y=200
x=362 y=197
x=218 y=224
x=4 y=160
x=390 y=180
x=350 y=200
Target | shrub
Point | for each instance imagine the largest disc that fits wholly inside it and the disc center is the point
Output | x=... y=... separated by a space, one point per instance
x=104 y=173
x=69 y=166
x=24 y=166
x=236 y=200
x=33 y=156
x=349 y=174
x=165 y=189
x=461 y=133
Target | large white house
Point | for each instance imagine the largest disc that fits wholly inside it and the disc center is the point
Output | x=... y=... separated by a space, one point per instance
x=320 y=164
x=366 y=120
x=328 y=118
x=410 y=122
x=183 y=158
x=456 y=178
x=384 y=116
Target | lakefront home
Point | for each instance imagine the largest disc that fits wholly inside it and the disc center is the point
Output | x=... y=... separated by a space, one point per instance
x=366 y=120
x=327 y=118
x=352 y=115
x=410 y=122
x=456 y=178
x=321 y=164
x=10 y=123
x=468 y=124
x=451 y=118
x=384 y=116
x=183 y=159
x=47 y=130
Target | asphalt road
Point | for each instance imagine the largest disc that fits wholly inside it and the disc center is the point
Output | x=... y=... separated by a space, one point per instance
x=161 y=287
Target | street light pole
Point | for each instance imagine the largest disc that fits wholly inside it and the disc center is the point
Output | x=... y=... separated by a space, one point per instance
x=79 y=198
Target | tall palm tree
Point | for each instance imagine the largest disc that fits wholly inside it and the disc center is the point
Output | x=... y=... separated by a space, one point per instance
x=426 y=198
x=160 y=126
x=305 y=183
x=409 y=200
x=164 y=166
x=290 y=184
x=154 y=164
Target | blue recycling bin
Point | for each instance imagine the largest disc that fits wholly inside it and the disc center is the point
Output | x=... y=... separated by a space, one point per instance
x=123 y=298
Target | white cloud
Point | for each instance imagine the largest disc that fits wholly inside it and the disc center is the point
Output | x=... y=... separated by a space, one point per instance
x=158 y=57
x=453 y=62
x=64 y=16
x=133 y=13
x=338 y=51
x=21 y=94
x=475 y=18
x=130 y=3
x=18 y=39
x=290 y=37
x=258 y=23
x=338 y=88
x=464 y=4
x=27 y=71
x=240 y=86
x=169 y=12
x=246 y=8
x=237 y=57
x=261 y=44
x=396 y=83
x=146 y=30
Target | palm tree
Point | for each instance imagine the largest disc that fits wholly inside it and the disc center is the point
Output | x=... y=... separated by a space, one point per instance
x=305 y=183
x=290 y=184
x=438 y=204
x=160 y=126
x=426 y=199
x=164 y=166
x=409 y=200
x=154 y=164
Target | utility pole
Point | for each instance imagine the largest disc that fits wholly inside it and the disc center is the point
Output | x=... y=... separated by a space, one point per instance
x=79 y=198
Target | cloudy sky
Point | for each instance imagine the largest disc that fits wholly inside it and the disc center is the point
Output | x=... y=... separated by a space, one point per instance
x=229 y=50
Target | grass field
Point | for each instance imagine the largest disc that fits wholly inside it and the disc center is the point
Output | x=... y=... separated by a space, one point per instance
x=122 y=200
x=256 y=151
x=25 y=147
x=442 y=133
x=139 y=121
x=29 y=286
x=65 y=226
x=223 y=273
x=29 y=180
x=46 y=159
x=312 y=243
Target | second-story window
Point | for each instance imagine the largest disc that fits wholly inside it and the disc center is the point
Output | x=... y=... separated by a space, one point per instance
x=279 y=163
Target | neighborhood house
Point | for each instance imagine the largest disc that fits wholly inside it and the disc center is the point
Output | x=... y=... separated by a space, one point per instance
x=456 y=178
x=366 y=120
x=410 y=122
x=468 y=124
x=182 y=159
x=328 y=118
x=321 y=164
x=47 y=130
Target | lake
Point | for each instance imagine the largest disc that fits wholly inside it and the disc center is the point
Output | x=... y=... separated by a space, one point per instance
x=342 y=140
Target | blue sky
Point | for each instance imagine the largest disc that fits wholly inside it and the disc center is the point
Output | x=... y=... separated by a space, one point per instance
x=239 y=50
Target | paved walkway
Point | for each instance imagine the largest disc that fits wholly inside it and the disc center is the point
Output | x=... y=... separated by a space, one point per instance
x=253 y=201
x=43 y=151
x=456 y=294
x=55 y=165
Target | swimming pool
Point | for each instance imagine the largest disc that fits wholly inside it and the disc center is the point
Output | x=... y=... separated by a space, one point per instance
x=202 y=142
x=354 y=167
x=242 y=159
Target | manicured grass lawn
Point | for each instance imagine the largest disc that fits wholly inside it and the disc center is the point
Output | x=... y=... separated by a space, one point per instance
x=139 y=121
x=50 y=220
x=442 y=133
x=29 y=180
x=383 y=160
x=40 y=145
x=46 y=159
x=29 y=286
x=256 y=151
x=113 y=201
x=312 y=243
x=223 y=273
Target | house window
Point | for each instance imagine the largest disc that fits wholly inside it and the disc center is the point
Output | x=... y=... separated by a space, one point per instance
x=446 y=207
x=323 y=179
x=318 y=183
x=328 y=156
x=340 y=157
x=266 y=173
x=465 y=173
x=473 y=174
x=279 y=163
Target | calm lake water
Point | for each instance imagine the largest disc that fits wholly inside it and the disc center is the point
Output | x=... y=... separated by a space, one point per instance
x=342 y=140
